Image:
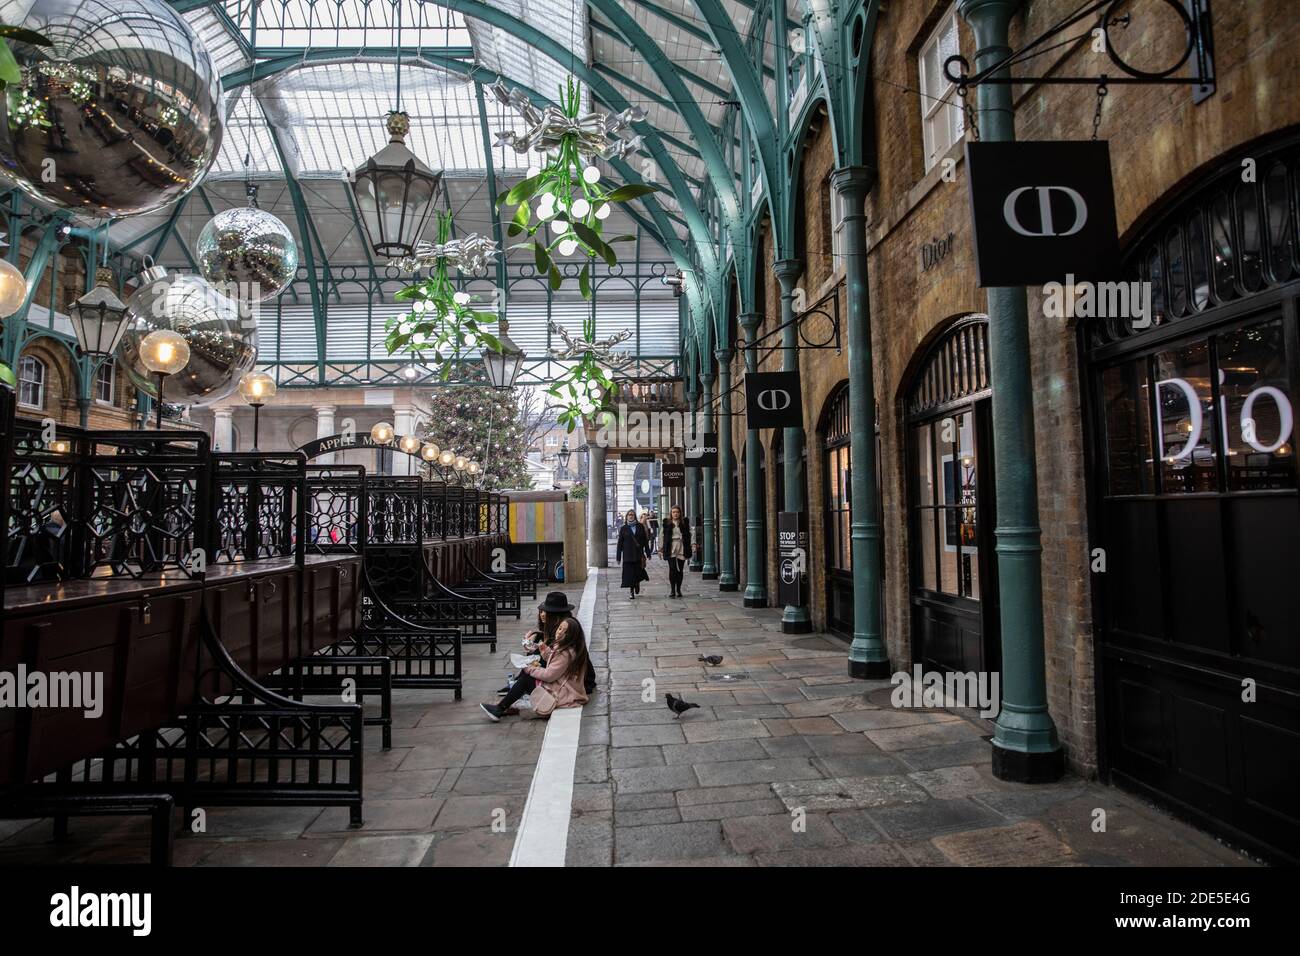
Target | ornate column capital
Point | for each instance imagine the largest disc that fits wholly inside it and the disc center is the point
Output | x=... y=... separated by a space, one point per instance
x=852 y=180
x=724 y=357
x=787 y=272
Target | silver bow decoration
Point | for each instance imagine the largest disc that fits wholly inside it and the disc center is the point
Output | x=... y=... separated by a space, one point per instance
x=472 y=255
x=602 y=350
x=597 y=133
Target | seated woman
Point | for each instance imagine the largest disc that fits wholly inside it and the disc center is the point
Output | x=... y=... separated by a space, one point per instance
x=562 y=679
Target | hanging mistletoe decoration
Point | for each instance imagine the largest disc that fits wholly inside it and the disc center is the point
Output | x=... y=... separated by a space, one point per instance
x=572 y=203
x=588 y=384
x=442 y=328
x=569 y=216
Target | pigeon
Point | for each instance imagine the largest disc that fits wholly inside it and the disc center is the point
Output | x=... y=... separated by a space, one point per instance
x=679 y=706
x=713 y=660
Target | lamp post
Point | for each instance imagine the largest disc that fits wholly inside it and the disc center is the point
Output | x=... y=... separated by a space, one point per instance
x=164 y=352
x=381 y=433
x=98 y=317
x=503 y=365
x=257 y=388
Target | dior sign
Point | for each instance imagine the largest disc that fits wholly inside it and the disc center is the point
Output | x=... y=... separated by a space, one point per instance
x=772 y=400
x=1042 y=210
x=934 y=252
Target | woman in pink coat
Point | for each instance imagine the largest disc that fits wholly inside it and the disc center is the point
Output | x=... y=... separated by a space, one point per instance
x=561 y=678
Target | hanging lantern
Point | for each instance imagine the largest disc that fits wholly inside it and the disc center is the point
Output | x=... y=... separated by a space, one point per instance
x=395 y=193
x=503 y=364
x=99 y=317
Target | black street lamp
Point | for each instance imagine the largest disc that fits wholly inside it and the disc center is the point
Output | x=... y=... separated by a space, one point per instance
x=503 y=366
x=99 y=318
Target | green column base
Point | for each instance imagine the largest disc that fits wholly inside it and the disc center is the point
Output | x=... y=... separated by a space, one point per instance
x=795 y=620
x=695 y=566
x=1019 y=766
x=709 y=574
x=869 y=670
x=725 y=585
x=755 y=596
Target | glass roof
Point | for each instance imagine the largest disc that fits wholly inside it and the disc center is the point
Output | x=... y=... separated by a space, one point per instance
x=330 y=120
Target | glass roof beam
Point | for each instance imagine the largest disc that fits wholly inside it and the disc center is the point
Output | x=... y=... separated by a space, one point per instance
x=706 y=85
x=686 y=26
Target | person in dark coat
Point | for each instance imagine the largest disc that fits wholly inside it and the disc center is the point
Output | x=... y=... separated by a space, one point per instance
x=632 y=544
x=676 y=549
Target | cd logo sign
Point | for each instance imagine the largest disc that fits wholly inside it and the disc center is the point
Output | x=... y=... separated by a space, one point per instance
x=1046 y=220
x=772 y=400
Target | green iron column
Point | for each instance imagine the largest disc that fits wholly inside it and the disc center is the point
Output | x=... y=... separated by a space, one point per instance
x=726 y=499
x=794 y=620
x=709 y=545
x=1025 y=745
x=755 y=493
x=868 y=656
x=693 y=494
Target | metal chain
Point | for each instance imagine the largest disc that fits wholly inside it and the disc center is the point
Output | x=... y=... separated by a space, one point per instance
x=970 y=114
x=1096 y=116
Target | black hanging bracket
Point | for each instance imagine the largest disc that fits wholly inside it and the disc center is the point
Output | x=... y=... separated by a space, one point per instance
x=1198 y=49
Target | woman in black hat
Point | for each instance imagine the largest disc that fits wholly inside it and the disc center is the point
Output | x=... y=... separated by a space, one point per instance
x=632 y=544
x=563 y=678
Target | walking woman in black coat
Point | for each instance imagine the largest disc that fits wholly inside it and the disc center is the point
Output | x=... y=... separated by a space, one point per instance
x=632 y=544
x=676 y=549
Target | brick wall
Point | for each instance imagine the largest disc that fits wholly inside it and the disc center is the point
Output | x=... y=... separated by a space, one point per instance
x=1159 y=140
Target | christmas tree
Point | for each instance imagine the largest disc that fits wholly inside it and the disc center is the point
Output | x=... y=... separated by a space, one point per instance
x=488 y=425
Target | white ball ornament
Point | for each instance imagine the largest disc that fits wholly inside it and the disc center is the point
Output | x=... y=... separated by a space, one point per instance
x=591 y=175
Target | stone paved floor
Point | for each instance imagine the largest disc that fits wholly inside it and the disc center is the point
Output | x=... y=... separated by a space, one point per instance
x=878 y=786
x=429 y=801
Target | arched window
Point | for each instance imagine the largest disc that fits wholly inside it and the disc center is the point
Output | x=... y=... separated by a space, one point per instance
x=837 y=469
x=950 y=519
x=32 y=374
x=105 y=380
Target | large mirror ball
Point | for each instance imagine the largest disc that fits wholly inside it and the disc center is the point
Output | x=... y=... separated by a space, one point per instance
x=222 y=341
x=121 y=116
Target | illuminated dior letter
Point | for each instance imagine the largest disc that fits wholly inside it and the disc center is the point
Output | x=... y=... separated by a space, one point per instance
x=1194 y=412
x=1044 y=211
x=1286 y=417
x=1283 y=413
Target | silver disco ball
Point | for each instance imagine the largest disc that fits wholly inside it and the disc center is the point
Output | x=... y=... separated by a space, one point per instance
x=223 y=346
x=121 y=116
x=247 y=252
